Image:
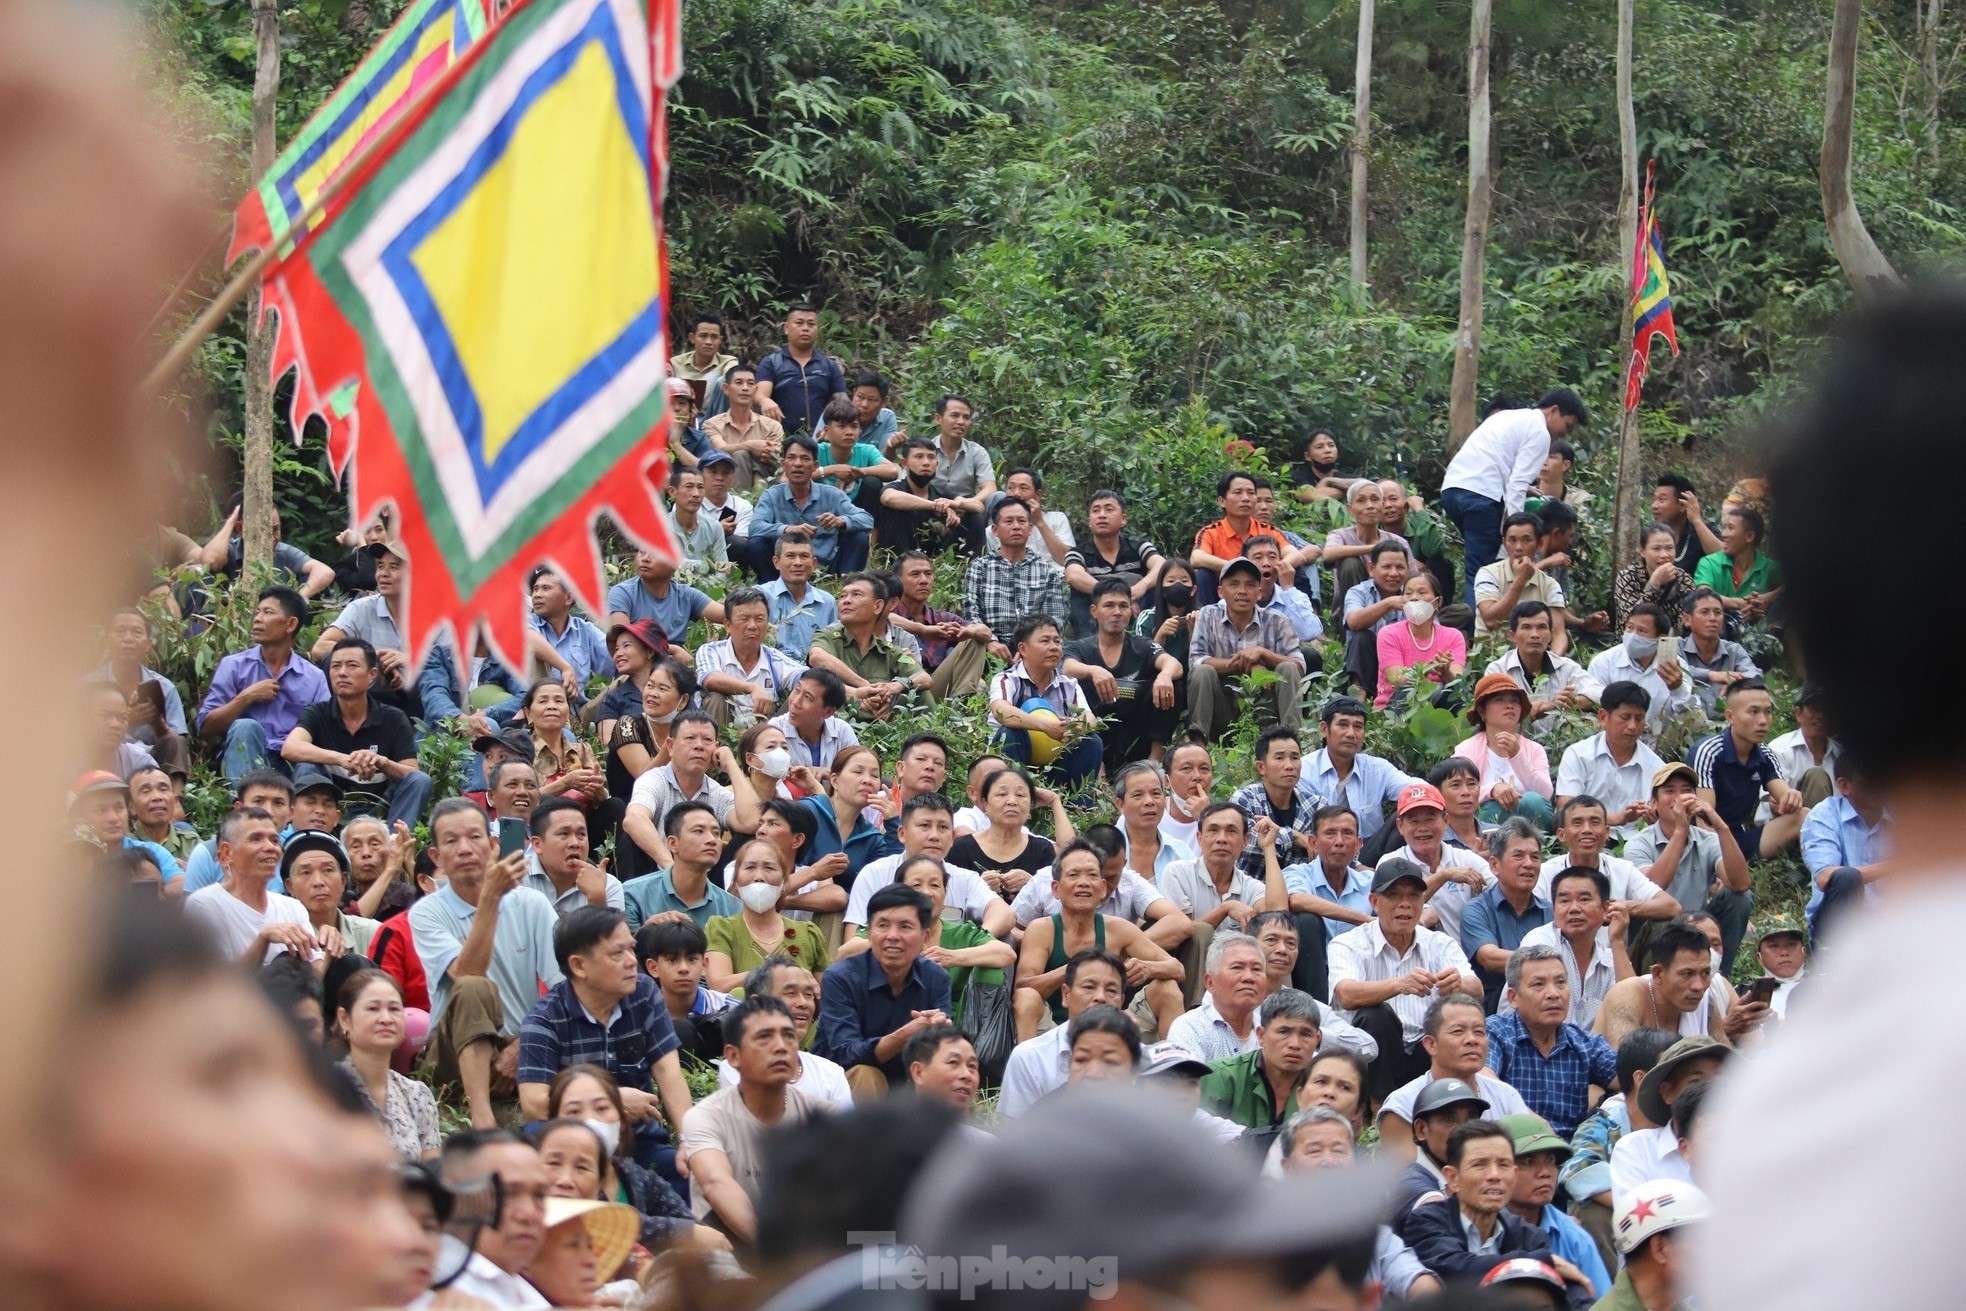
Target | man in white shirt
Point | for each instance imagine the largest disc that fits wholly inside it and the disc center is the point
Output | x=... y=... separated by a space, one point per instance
x=927 y=830
x=1647 y=1154
x=1553 y=682
x=1039 y=1065
x=819 y=1080
x=243 y=918
x=1190 y=779
x=1456 y=1042
x=1808 y=745
x=1384 y=973
x=494 y=1274
x=1644 y=657
x=1225 y=1022
x=1590 y=932
x=1585 y=830
x=1614 y=764
x=1490 y=474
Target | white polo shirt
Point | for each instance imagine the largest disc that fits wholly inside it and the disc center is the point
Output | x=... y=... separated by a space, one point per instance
x=1036 y=1067
x=965 y=888
x=1644 y=1155
x=1502 y=1098
x=1588 y=770
x=1628 y=882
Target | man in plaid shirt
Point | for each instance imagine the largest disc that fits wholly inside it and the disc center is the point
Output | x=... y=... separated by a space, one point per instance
x=953 y=648
x=1232 y=637
x=1536 y=1049
x=1013 y=581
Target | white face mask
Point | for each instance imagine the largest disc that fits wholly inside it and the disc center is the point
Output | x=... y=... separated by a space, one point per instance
x=775 y=763
x=662 y=719
x=610 y=1133
x=1419 y=612
x=759 y=897
x=1640 y=647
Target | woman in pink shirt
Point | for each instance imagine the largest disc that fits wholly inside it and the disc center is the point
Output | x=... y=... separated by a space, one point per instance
x=1515 y=772
x=1417 y=647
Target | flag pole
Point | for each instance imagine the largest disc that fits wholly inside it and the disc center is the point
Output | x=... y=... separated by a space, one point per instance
x=1625 y=532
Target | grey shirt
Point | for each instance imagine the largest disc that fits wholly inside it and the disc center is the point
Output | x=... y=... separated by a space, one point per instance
x=1699 y=865
x=1729 y=658
x=368 y=618
x=963 y=473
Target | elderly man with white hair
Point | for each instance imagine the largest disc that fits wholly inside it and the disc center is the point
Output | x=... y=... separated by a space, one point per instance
x=1237 y=983
x=1348 y=550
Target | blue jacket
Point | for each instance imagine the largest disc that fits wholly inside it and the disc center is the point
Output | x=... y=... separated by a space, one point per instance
x=864 y=843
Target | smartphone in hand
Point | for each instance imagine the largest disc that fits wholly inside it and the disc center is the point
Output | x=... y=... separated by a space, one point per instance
x=511 y=837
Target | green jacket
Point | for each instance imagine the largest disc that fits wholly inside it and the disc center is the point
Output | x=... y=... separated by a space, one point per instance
x=883 y=662
x=1623 y=1297
x=1237 y=1089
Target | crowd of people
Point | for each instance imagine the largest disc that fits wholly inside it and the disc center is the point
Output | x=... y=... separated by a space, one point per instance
x=1508 y=977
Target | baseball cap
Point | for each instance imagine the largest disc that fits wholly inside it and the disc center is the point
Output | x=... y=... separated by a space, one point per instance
x=1240 y=565
x=1811 y=694
x=1651 y=1094
x=1417 y=795
x=298 y=844
x=515 y=740
x=715 y=456
x=313 y=780
x=1398 y=869
x=1664 y=772
x=646 y=631
x=391 y=546
x=1046 y=1187
x=1532 y=1133
x=1656 y=1207
x=1172 y=1058
x=96 y=780
x=1443 y=1093
x=1525 y=1270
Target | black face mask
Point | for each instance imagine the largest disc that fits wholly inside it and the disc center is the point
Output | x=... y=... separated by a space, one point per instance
x=1177 y=594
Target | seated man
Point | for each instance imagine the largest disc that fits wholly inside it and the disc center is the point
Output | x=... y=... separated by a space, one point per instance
x=927 y=829
x=953 y=648
x=1442 y=1107
x=1503 y=914
x=683 y=890
x=1589 y=935
x=1081 y=887
x=1322 y=1139
x=1037 y=675
x=1039 y=1065
x=1257 y=1089
x=156 y=710
x=1781 y=948
x=918 y=515
x=1469 y=1232
x=1281 y=592
x=798 y=608
x=782 y=977
x=675 y=954
x=605 y=1011
x=257 y=695
x=877 y=673
x=1003 y=588
x=1282 y=795
x=1715 y=663
x=1344 y=773
x=1556 y=556
x=1844 y=848
x=1650 y=1225
x=1534 y=1046
x=367 y=747
x=840 y=530
x=1696 y=857
x=1128 y=896
x=751 y=439
x=814 y=730
x=1455 y=875
x=1746 y=578
x=1384 y=972
x=1614 y=764
x=1676 y=994
x=1225 y=1022
x=1647 y=1154
x=742 y=671
x=574 y=637
x=1647 y=657
x=1133 y=687
x=1378 y=601
x=1349 y=550
x=653 y=593
x=99 y=807
x=872 y=1003
x=1211 y=888
x=1220 y=542
x=1554 y=682
x=1109 y=553
x=699 y=534
x=1539 y=1155
x=498 y=1255
x=1409 y=518
x=1325 y=896
x=373 y=618
x=1584 y=830
x=849 y=462
x=942 y=1068
x=1053 y=529
x=1456 y=1047
x=1232 y=637
x=1500 y=587
x=245 y=920
x=1734 y=768
x=262 y=789
x=557 y=847
x=486 y=947
x=724 y=1136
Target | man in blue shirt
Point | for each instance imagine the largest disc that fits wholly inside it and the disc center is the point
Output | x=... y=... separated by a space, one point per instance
x=577 y=640
x=1536 y=1050
x=653 y=593
x=257 y=694
x=797 y=608
x=1497 y=919
x=870 y=1005
x=838 y=528
x=1733 y=767
x=1538 y=1154
x=796 y=381
x=1843 y=847
x=1344 y=775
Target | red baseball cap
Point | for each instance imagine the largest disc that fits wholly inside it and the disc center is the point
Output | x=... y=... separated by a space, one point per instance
x=1416 y=795
x=96 y=780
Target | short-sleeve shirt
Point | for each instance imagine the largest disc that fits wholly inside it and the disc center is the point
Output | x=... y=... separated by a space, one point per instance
x=1628 y=882
x=1492 y=580
x=368 y=618
x=776 y=670
x=658 y=792
x=801 y=391
x=965 y=472
x=655 y=894
x=1362 y=594
x=1016 y=686
x=560 y=1032
x=233 y=925
x=722 y=1122
x=672 y=613
x=1135 y=671
x=1135 y=558
x=521 y=957
x=386 y=732
x=1216 y=636
x=1698 y=864
x=1363 y=954
x=1188 y=884
x=1737 y=784
x=1502 y=1097
x=966 y=889
x=881 y=662
x=794 y=620
x=1220 y=538
x=1717 y=571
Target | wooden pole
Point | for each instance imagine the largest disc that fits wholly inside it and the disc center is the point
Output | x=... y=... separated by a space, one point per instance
x=1361 y=141
x=1462 y=407
x=257 y=514
x=1624 y=538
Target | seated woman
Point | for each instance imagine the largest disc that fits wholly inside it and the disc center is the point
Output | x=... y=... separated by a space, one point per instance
x=1654 y=577
x=964 y=948
x=564 y=763
x=740 y=943
x=1079 y=883
x=1004 y=851
x=369 y=1018
x=636 y=647
x=1104 y=1043
x=1418 y=648
x=1170 y=620
x=844 y=825
x=640 y=741
x=1337 y=1079
x=585 y=1244
x=588 y=1094
x=767 y=757
x=1515 y=772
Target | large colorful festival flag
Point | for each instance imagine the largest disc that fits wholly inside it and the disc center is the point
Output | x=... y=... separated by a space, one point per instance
x=1651 y=295
x=423 y=42
x=486 y=300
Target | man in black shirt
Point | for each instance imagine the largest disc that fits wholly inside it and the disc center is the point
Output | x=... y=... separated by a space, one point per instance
x=366 y=747
x=1110 y=554
x=918 y=515
x=1676 y=505
x=1133 y=686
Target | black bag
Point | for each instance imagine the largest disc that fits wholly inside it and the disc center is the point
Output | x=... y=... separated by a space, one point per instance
x=991 y=1023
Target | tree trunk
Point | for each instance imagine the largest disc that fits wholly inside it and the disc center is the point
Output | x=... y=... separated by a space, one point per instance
x=1869 y=272
x=1930 y=12
x=1625 y=538
x=1362 y=139
x=1461 y=407
x=256 y=525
